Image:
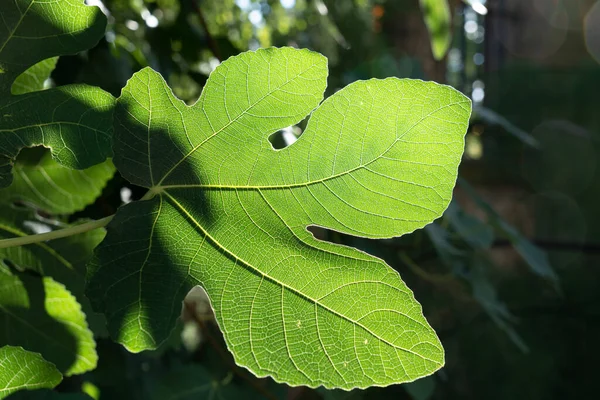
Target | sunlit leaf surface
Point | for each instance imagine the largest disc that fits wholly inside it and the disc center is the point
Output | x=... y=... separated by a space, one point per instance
x=378 y=159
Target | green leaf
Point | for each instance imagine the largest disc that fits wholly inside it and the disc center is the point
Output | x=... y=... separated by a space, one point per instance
x=33 y=79
x=21 y=369
x=438 y=20
x=62 y=259
x=46 y=29
x=378 y=159
x=41 y=315
x=73 y=121
x=49 y=186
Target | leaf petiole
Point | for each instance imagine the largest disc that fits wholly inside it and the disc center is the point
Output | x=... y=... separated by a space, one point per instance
x=60 y=233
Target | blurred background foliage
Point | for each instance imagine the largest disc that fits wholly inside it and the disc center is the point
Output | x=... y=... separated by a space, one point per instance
x=509 y=277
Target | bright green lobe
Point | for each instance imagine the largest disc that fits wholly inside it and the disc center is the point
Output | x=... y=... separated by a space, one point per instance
x=73 y=121
x=33 y=79
x=378 y=159
x=438 y=20
x=24 y=370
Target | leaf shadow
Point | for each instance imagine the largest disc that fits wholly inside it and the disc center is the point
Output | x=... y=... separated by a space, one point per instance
x=135 y=268
x=28 y=324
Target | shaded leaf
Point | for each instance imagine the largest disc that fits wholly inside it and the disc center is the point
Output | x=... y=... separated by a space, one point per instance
x=41 y=315
x=227 y=212
x=486 y=295
x=536 y=258
x=62 y=259
x=21 y=369
x=49 y=186
x=73 y=121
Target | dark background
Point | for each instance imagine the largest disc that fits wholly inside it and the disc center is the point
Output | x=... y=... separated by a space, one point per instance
x=509 y=277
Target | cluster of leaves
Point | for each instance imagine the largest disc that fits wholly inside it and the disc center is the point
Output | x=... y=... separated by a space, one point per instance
x=223 y=210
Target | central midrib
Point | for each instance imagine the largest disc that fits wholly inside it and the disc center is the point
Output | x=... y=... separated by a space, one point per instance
x=284 y=285
x=158 y=188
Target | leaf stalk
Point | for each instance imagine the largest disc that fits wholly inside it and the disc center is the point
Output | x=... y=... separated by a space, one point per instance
x=57 y=234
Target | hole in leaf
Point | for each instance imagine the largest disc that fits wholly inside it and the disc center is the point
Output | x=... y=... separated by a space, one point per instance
x=318 y=232
x=31 y=156
x=284 y=137
x=37 y=227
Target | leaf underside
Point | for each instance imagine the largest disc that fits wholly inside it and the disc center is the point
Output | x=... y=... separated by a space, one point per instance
x=378 y=159
x=41 y=182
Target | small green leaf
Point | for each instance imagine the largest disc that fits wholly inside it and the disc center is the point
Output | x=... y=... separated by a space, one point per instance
x=378 y=159
x=53 y=188
x=21 y=369
x=41 y=315
x=73 y=121
x=438 y=20
x=33 y=79
x=62 y=259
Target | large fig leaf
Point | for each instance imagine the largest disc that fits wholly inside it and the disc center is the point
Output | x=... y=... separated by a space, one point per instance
x=73 y=121
x=226 y=211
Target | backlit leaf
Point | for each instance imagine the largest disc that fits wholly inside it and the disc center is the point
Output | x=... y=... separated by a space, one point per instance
x=42 y=182
x=24 y=370
x=228 y=212
x=33 y=79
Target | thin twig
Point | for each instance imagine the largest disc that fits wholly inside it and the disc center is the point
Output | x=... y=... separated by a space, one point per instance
x=57 y=234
